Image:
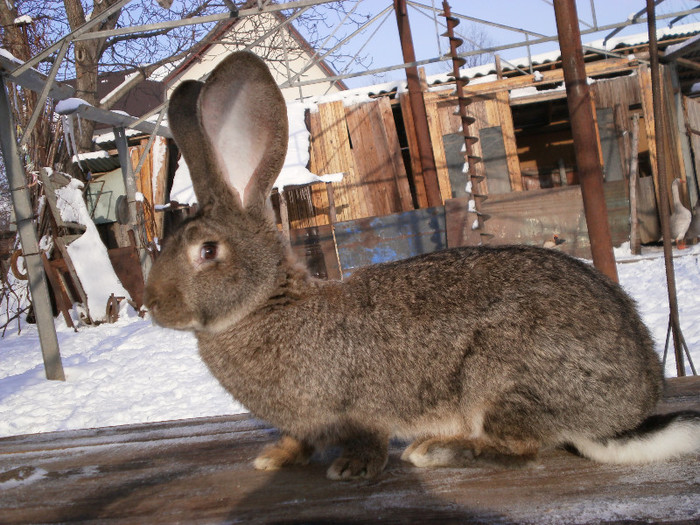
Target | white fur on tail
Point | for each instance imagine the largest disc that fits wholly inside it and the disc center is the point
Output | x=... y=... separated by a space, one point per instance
x=678 y=437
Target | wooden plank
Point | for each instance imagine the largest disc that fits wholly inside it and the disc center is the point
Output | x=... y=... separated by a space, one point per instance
x=505 y=117
x=436 y=133
x=533 y=217
x=377 y=157
x=370 y=190
x=317 y=154
x=144 y=185
x=692 y=110
x=399 y=168
x=332 y=154
x=644 y=76
x=416 y=167
x=200 y=470
x=160 y=181
x=60 y=293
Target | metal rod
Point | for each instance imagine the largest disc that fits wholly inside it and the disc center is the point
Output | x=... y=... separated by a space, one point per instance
x=39 y=108
x=317 y=58
x=96 y=20
x=24 y=214
x=664 y=213
x=490 y=50
x=477 y=20
x=417 y=103
x=585 y=139
x=200 y=19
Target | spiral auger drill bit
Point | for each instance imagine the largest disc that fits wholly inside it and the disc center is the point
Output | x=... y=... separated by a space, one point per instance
x=475 y=217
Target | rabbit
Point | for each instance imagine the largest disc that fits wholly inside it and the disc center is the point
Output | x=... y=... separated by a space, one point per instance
x=473 y=353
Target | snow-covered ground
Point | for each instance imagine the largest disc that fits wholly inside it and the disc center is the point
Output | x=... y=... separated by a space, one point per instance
x=132 y=371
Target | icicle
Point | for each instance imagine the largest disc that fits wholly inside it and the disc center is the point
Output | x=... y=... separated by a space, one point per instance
x=66 y=135
x=475 y=224
x=465 y=167
x=71 y=144
x=472 y=206
x=468 y=188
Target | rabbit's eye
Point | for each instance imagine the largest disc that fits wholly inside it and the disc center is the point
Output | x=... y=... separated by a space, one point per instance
x=209 y=251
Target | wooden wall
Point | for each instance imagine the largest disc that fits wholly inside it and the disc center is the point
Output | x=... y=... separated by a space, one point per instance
x=490 y=110
x=384 y=177
x=362 y=142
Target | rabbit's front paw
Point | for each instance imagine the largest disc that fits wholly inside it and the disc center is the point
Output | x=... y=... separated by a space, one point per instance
x=364 y=456
x=287 y=451
x=346 y=468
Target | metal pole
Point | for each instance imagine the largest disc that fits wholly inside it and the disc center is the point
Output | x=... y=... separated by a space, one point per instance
x=664 y=213
x=420 y=116
x=585 y=138
x=27 y=233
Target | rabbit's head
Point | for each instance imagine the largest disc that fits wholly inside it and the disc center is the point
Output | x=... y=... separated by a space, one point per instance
x=225 y=261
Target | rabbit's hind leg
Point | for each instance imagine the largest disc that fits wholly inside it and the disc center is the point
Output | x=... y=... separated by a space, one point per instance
x=287 y=451
x=365 y=454
x=458 y=451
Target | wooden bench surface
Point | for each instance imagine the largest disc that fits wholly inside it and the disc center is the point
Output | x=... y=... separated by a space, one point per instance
x=199 y=471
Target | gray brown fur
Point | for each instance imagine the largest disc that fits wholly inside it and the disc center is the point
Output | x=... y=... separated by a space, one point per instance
x=505 y=349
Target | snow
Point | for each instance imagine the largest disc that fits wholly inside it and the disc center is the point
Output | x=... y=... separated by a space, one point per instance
x=133 y=371
x=24 y=19
x=70 y=105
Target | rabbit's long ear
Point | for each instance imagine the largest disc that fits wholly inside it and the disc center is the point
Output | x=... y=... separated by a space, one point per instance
x=244 y=118
x=184 y=122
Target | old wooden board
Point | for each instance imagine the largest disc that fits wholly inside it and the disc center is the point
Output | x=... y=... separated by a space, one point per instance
x=389 y=238
x=199 y=471
x=315 y=248
x=535 y=216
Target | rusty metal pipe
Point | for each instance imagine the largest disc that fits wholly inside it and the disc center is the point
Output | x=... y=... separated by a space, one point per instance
x=585 y=139
x=417 y=103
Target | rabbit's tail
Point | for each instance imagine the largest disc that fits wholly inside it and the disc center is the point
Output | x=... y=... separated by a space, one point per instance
x=658 y=438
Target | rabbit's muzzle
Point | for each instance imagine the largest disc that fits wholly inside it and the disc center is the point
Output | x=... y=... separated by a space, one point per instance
x=168 y=308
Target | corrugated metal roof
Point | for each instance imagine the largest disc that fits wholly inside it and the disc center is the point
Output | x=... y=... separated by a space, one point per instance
x=540 y=59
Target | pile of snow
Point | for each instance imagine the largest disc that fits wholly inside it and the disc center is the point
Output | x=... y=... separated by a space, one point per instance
x=70 y=105
x=132 y=371
x=88 y=253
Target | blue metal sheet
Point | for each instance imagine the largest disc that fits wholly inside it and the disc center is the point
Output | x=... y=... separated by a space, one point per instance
x=390 y=238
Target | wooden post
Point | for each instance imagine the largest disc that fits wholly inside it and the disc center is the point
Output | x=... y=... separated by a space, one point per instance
x=635 y=242
x=130 y=185
x=30 y=246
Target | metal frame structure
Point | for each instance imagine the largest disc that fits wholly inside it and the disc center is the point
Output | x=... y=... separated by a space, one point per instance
x=25 y=76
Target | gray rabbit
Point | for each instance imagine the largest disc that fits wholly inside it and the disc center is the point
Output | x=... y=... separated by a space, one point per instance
x=470 y=353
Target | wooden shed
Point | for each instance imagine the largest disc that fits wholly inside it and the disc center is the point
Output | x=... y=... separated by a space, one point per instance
x=530 y=190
